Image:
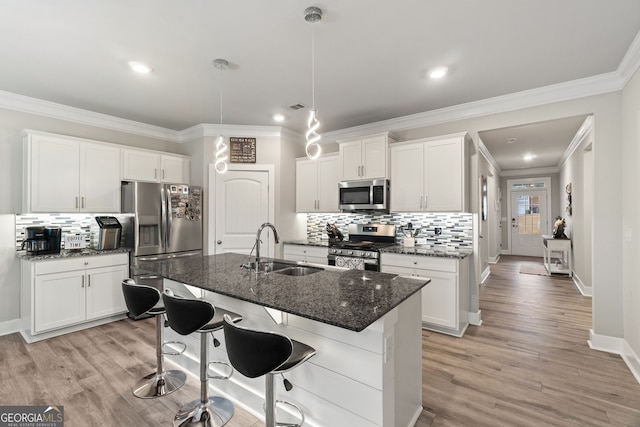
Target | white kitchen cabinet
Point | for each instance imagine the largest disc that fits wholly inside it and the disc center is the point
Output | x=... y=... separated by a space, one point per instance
x=317 y=184
x=66 y=174
x=147 y=165
x=365 y=158
x=306 y=253
x=430 y=175
x=445 y=300
x=64 y=295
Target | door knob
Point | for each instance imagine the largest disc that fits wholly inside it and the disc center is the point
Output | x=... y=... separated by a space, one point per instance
x=219 y=242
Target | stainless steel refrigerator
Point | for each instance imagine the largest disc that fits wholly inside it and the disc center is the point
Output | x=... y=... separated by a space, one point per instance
x=166 y=222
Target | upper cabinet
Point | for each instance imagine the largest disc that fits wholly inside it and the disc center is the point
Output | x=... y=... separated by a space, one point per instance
x=65 y=174
x=430 y=175
x=365 y=158
x=317 y=184
x=143 y=165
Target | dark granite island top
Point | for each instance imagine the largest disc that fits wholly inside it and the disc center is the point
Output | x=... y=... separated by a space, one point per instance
x=350 y=299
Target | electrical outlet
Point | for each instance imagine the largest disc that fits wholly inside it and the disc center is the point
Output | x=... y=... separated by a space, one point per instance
x=438 y=231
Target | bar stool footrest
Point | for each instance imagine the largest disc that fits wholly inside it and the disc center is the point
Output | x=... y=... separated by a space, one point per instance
x=182 y=348
x=220 y=377
x=295 y=407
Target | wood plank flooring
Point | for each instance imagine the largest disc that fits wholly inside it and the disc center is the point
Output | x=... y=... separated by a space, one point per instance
x=527 y=365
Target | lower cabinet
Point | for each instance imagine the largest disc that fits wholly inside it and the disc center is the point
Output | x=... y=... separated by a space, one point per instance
x=69 y=292
x=445 y=300
x=304 y=253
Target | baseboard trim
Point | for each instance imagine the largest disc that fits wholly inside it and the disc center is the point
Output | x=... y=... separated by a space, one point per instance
x=606 y=343
x=485 y=274
x=505 y=252
x=9 y=327
x=584 y=290
x=475 y=318
x=494 y=260
x=631 y=359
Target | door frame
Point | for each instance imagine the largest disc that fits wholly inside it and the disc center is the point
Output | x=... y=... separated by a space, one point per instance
x=211 y=217
x=547 y=188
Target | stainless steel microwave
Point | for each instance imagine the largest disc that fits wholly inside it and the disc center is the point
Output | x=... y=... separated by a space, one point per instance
x=364 y=195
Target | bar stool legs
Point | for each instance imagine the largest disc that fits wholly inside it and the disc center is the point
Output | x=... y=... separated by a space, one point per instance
x=161 y=382
x=207 y=411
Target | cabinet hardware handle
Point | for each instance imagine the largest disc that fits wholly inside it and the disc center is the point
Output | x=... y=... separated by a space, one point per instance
x=86 y=263
x=363 y=171
x=82 y=202
x=82 y=282
x=425 y=202
x=76 y=202
x=89 y=281
x=155 y=173
x=219 y=242
x=162 y=173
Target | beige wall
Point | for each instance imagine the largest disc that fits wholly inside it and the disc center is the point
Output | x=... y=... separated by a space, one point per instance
x=631 y=211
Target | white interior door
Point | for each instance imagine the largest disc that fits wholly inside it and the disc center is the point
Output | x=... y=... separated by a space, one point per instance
x=241 y=205
x=528 y=222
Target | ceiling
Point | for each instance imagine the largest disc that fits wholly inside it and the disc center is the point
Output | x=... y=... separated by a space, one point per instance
x=371 y=58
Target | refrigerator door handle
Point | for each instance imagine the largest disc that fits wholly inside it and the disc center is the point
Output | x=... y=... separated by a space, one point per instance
x=163 y=219
x=169 y=217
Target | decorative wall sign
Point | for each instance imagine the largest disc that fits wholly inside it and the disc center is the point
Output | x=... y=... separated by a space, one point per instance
x=243 y=150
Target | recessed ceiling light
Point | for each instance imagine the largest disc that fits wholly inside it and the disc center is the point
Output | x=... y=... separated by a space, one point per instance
x=278 y=117
x=528 y=157
x=140 y=67
x=511 y=140
x=438 y=73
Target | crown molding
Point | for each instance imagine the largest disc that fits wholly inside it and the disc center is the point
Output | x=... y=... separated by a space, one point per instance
x=25 y=104
x=204 y=130
x=584 y=130
x=529 y=172
x=630 y=62
x=588 y=86
x=487 y=155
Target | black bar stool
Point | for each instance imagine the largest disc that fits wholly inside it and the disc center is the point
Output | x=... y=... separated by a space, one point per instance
x=194 y=315
x=141 y=299
x=255 y=353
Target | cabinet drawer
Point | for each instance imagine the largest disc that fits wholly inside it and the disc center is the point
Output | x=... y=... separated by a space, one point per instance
x=79 y=263
x=422 y=262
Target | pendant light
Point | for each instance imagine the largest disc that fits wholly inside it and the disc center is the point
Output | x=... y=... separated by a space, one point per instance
x=220 y=164
x=312 y=15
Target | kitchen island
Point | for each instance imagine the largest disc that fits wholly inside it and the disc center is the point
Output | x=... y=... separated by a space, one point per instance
x=365 y=327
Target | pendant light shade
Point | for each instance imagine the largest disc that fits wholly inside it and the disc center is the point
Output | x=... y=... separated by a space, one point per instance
x=312 y=15
x=221 y=153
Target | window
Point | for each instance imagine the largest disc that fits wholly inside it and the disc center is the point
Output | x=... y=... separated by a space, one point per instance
x=528 y=186
x=529 y=214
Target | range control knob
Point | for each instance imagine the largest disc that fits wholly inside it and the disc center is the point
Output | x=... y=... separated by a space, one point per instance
x=350 y=252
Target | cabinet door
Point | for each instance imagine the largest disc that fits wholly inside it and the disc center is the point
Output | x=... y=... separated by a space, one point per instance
x=407 y=176
x=444 y=162
x=58 y=300
x=174 y=169
x=374 y=157
x=54 y=174
x=99 y=178
x=307 y=186
x=140 y=165
x=351 y=158
x=440 y=299
x=328 y=179
x=104 y=291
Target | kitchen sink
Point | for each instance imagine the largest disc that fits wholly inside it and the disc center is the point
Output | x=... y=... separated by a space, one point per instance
x=298 y=271
x=267 y=266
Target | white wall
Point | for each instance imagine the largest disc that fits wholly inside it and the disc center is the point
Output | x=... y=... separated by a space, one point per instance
x=631 y=211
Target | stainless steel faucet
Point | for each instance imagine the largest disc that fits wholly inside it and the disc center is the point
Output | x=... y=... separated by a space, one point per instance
x=275 y=236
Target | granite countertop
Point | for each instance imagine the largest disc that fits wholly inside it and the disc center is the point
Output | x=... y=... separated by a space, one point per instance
x=65 y=253
x=350 y=299
x=425 y=250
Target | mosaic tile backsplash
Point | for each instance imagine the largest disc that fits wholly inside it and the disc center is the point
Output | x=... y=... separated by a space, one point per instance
x=456 y=228
x=84 y=224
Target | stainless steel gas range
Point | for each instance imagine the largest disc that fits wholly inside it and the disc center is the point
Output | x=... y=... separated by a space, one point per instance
x=362 y=250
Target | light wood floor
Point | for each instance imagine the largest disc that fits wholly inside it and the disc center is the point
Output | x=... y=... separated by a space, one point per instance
x=527 y=365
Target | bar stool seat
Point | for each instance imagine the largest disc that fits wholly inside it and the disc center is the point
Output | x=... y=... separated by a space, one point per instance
x=142 y=299
x=186 y=316
x=255 y=353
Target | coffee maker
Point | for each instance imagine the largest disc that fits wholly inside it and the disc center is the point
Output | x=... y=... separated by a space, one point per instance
x=42 y=240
